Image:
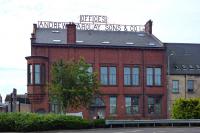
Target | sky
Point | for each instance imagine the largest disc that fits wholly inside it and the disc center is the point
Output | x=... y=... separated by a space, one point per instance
x=173 y=21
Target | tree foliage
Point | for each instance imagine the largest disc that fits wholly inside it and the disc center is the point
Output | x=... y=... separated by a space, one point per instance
x=186 y=109
x=72 y=84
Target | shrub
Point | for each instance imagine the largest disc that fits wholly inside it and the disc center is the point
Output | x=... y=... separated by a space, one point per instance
x=186 y=109
x=41 y=122
x=98 y=123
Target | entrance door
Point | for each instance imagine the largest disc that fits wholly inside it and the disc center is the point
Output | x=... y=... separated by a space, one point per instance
x=97 y=109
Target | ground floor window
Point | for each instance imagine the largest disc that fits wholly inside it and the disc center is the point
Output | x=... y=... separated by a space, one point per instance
x=113 y=105
x=190 y=85
x=55 y=107
x=154 y=105
x=132 y=104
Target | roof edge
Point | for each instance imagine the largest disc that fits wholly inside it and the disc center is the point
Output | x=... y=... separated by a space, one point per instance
x=29 y=57
x=171 y=43
x=94 y=46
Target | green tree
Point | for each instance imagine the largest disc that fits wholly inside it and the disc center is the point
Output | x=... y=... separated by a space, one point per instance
x=72 y=84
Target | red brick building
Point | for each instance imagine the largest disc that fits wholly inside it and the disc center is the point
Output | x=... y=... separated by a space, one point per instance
x=131 y=68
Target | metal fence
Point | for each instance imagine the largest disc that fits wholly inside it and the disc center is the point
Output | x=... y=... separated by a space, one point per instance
x=157 y=122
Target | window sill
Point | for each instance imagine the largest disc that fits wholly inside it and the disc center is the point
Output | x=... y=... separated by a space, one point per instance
x=154 y=113
x=133 y=114
x=112 y=115
x=131 y=85
x=108 y=85
x=175 y=92
x=154 y=85
x=35 y=84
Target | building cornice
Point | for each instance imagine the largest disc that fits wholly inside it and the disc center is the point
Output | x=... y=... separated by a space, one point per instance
x=95 y=46
x=36 y=57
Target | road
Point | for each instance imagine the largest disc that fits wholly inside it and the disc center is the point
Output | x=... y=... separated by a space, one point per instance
x=133 y=130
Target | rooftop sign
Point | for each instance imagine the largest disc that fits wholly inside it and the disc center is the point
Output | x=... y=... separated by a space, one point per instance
x=92 y=22
x=93 y=19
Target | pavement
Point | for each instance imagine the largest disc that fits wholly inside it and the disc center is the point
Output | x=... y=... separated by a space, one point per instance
x=134 y=130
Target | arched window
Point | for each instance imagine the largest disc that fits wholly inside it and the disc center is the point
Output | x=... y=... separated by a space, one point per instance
x=97 y=102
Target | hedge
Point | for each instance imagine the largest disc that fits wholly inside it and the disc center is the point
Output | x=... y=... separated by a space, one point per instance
x=186 y=109
x=41 y=122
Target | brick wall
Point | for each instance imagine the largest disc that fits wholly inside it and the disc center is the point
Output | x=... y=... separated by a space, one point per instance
x=119 y=58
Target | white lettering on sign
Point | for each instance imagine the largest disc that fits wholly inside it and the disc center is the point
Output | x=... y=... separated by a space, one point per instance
x=93 y=19
x=92 y=22
x=52 y=25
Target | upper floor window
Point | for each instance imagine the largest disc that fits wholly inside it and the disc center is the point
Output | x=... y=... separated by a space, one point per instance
x=108 y=75
x=154 y=105
x=131 y=76
x=149 y=76
x=113 y=105
x=157 y=76
x=90 y=69
x=175 y=86
x=190 y=85
x=132 y=105
x=36 y=74
x=30 y=74
x=153 y=76
x=104 y=75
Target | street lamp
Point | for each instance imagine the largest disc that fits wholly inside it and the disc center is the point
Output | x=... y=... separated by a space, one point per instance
x=168 y=83
x=168 y=62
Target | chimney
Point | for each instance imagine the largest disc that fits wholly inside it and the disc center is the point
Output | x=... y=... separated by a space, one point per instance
x=33 y=37
x=71 y=33
x=148 y=27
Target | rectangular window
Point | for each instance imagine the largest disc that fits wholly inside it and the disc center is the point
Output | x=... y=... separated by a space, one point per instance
x=90 y=69
x=157 y=105
x=157 y=76
x=150 y=76
x=30 y=74
x=132 y=105
x=37 y=74
x=154 y=105
x=108 y=75
x=175 y=86
x=112 y=75
x=128 y=105
x=135 y=73
x=127 y=76
x=190 y=85
x=153 y=76
x=113 y=105
x=104 y=75
x=131 y=76
x=54 y=108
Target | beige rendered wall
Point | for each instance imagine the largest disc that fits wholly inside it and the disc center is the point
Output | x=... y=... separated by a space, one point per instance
x=23 y=107
x=183 y=93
